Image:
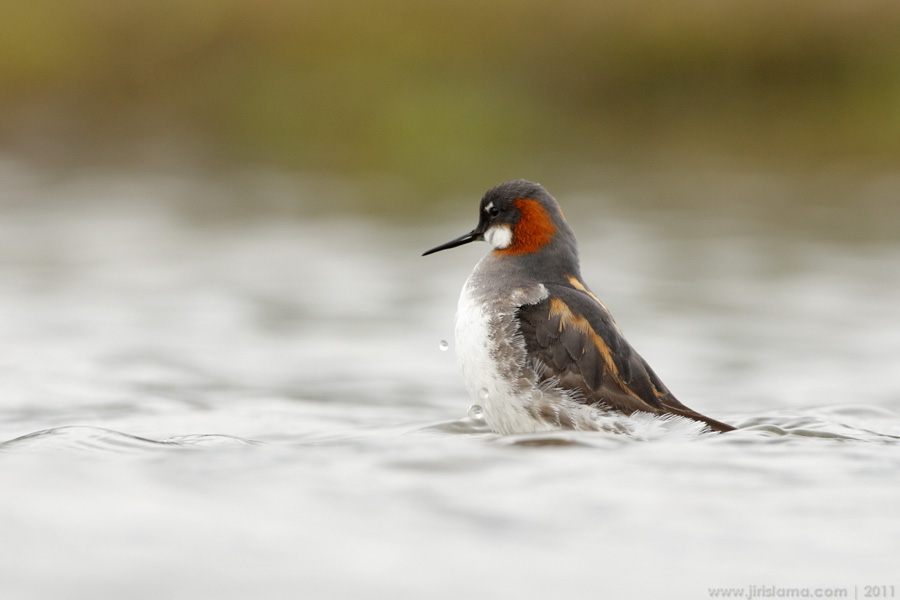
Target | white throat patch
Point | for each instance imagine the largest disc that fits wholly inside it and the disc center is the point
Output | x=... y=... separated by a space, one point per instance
x=499 y=236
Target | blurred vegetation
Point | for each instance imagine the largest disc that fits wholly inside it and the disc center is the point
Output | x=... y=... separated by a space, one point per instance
x=437 y=94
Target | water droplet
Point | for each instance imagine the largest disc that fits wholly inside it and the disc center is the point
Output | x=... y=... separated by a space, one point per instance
x=443 y=345
x=484 y=394
x=476 y=413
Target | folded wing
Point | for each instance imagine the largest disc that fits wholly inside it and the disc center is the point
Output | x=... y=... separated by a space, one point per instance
x=571 y=337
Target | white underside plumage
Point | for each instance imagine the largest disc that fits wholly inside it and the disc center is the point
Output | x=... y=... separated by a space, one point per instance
x=499 y=378
x=504 y=410
x=494 y=369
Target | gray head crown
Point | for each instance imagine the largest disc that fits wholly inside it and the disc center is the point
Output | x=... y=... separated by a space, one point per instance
x=523 y=223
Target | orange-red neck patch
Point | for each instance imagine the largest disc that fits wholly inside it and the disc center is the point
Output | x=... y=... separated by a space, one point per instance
x=534 y=230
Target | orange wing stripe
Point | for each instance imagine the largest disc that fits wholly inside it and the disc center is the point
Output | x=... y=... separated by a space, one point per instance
x=580 y=286
x=558 y=308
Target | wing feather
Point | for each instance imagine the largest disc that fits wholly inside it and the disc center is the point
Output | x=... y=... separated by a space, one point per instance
x=575 y=334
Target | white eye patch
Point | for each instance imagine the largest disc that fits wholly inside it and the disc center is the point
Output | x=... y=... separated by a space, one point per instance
x=488 y=207
x=499 y=236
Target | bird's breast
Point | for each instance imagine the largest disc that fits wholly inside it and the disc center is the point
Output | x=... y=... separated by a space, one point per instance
x=492 y=357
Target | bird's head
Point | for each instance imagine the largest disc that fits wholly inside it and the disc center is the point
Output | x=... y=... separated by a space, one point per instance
x=518 y=218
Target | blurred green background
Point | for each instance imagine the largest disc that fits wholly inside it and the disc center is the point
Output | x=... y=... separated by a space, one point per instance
x=443 y=98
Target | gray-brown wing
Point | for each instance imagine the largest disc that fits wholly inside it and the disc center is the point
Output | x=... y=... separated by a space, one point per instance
x=577 y=342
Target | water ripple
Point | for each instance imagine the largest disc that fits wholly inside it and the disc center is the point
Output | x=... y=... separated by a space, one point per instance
x=850 y=422
x=855 y=422
x=100 y=440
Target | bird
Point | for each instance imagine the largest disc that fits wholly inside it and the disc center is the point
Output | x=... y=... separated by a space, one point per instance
x=537 y=349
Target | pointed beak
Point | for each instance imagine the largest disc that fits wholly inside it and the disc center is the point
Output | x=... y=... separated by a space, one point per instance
x=472 y=236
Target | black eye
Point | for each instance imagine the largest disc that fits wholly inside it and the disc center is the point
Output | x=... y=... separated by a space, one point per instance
x=494 y=211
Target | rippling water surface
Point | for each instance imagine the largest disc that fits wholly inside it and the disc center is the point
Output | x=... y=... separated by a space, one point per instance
x=263 y=408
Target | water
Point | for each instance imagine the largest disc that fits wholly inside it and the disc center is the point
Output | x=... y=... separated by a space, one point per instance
x=264 y=408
